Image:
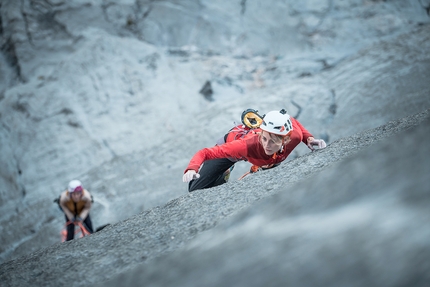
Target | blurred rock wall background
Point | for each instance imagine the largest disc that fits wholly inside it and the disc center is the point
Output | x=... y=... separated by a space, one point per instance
x=108 y=91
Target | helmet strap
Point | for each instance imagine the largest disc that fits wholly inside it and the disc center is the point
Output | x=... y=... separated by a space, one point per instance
x=284 y=141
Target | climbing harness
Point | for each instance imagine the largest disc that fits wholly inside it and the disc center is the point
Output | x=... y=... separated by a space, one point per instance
x=81 y=230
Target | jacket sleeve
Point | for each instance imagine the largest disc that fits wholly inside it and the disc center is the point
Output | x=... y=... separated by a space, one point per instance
x=305 y=132
x=63 y=200
x=86 y=210
x=236 y=149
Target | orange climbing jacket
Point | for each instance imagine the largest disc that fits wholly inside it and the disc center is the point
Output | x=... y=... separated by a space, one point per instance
x=243 y=143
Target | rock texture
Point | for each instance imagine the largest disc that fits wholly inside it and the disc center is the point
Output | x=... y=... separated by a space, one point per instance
x=108 y=91
x=353 y=214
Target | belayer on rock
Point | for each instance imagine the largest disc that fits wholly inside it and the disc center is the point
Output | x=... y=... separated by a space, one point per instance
x=264 y=141
x=76 y=205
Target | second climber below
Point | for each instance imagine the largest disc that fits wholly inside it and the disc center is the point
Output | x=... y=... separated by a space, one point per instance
x=76 y=205
x=264 y=147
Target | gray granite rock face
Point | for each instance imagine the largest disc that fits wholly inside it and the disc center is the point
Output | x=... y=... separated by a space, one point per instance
x=108 y=91
x=353 y=214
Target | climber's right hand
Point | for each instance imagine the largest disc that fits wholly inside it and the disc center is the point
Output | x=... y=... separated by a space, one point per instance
x=190 y=175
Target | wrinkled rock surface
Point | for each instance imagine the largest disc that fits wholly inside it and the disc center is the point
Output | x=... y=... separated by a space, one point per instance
x=108 y=91
x=353 y=214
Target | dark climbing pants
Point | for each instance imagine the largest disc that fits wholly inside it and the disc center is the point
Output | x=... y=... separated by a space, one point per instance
x=71 y=227
x=212 y=173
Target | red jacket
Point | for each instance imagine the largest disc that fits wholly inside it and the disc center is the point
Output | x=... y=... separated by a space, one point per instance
x=250 y=149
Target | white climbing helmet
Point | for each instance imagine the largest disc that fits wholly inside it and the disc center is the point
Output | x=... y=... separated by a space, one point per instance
x=75 y=185
x=278 y=123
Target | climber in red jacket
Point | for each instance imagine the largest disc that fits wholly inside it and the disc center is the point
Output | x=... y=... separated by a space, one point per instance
x=264 y=147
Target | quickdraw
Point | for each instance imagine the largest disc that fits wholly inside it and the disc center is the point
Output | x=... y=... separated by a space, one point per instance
x=256 y=168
